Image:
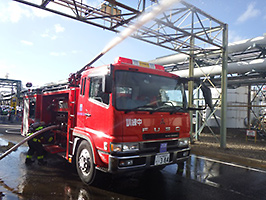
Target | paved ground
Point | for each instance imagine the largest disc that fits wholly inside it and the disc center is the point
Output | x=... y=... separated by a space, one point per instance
x=206 y=177
x=239 y=150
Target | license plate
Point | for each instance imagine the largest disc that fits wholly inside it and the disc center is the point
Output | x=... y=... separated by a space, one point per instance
x=161 y=159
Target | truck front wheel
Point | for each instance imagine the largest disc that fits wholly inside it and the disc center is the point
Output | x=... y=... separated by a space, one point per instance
x=84 y=163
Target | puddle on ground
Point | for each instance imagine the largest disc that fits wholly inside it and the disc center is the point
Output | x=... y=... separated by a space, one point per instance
x=4 y=145
x=3 y=142
x=59 y=180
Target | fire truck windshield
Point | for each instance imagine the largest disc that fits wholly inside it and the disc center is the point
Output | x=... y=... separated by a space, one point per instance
x=148 y=92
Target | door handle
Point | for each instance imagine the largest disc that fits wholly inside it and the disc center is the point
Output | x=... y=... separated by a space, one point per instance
x=87 y=115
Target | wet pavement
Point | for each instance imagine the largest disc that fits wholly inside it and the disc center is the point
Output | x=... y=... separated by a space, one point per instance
x=203 y=178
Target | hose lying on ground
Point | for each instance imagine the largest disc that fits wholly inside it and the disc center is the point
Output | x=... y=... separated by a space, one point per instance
x=27 y=139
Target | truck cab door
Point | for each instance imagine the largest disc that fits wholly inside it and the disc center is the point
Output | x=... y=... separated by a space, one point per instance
x=82 y=100
x=96 y=105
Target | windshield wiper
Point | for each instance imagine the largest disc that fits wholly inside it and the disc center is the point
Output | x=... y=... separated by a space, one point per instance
x=159 y=108
x=172 y=111
x=177 y=109
x=138 y=108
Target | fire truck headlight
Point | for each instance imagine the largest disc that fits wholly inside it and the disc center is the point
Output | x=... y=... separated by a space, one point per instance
x=182 y=142
x=116 y=147
x=124 y=147
x=130 y=147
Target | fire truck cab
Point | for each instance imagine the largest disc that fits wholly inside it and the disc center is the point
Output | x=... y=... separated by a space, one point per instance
x=125 y=116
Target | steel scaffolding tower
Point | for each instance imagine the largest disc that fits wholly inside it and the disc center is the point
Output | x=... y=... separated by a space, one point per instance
x=9 y=88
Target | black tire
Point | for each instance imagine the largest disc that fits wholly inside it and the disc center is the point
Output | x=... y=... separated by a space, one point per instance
x=84 y=163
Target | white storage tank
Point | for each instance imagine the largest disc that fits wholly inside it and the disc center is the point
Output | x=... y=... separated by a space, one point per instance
x=236 y=107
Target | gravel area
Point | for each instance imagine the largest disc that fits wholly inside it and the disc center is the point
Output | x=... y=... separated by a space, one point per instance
x=238 y=149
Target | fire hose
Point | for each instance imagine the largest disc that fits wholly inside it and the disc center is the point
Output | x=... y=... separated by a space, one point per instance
x=27 y=139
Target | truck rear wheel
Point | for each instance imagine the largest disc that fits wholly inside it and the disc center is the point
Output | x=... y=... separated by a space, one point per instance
x=84 y=163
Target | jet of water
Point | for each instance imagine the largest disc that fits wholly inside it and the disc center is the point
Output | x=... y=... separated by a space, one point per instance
x=140 y=21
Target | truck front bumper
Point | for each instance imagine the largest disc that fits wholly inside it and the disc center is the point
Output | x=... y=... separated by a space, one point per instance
x=137 y=162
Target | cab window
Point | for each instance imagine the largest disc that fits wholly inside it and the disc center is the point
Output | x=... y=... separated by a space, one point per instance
x=96 y=90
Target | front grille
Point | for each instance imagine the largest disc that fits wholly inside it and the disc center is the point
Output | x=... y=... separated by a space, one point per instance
x=153 y=136
x=155 y=146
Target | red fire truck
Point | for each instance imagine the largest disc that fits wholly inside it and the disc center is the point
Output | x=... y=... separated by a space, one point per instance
x=115 y=118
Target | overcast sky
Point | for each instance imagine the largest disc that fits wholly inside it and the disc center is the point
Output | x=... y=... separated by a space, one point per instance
x=40 y=47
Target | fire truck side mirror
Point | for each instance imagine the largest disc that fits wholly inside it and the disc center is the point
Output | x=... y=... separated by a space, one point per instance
x=207 y=94
x=107 y=84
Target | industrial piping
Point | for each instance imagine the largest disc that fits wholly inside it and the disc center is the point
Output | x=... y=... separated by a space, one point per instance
x=237 y=67
x=239 y=46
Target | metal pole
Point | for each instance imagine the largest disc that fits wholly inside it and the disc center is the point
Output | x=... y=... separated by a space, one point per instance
x=197 y=125
x=223 y=129
x=191 y=74
x=249 y=105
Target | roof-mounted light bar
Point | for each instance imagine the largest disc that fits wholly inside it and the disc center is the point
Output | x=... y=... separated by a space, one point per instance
x=121 y=60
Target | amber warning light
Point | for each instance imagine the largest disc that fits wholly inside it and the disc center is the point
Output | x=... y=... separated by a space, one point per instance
x=121 y=60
